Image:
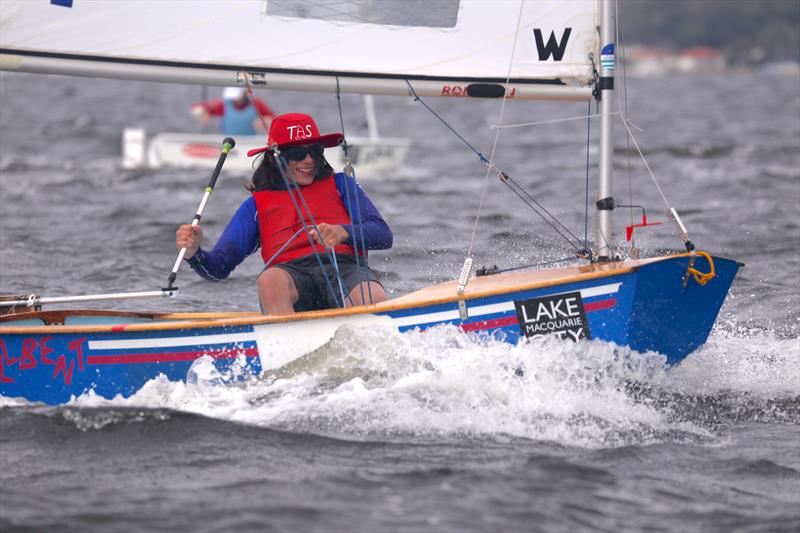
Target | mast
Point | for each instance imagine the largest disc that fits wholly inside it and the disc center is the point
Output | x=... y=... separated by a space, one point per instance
x=605 y=201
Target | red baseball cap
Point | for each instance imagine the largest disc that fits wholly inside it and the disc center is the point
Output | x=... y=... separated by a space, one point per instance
x=293 y=129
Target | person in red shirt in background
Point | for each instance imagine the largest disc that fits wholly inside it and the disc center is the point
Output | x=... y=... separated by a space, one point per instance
x=238 y=114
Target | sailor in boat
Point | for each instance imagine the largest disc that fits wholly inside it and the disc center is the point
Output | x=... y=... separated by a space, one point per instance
x=239 y=115
x=313 y=226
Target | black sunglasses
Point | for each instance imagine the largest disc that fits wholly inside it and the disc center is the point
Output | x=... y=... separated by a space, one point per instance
x=298 y=153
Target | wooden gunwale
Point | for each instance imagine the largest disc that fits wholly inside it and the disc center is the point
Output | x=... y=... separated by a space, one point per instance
x=437 y=294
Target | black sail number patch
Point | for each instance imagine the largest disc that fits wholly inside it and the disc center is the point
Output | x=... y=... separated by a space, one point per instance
x=560 y=314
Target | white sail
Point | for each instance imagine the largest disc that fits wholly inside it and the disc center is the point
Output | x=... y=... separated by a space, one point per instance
x=445 y=47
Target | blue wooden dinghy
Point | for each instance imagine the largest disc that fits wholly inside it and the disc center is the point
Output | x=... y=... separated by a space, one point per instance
x=650 y=304
x=555 y=50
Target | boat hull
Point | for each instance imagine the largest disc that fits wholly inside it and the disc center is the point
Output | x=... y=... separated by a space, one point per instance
x=646 y=305
x=378 y=157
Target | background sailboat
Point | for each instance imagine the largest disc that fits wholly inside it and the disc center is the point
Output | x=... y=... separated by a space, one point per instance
x=650 y=304
x=376 y=157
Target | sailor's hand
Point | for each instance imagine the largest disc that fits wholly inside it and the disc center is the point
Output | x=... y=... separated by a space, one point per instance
x=189 y=237
x=329 y=234
x=201 y=113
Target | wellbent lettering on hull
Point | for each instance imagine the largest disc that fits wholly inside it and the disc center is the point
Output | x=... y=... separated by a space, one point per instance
x=35 y=352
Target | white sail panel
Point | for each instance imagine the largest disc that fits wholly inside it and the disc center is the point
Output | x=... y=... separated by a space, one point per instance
x=473 y=41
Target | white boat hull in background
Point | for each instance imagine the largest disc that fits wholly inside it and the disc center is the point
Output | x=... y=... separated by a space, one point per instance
x=371 y=157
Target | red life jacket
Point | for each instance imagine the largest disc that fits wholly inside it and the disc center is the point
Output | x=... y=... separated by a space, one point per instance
x=278 y=219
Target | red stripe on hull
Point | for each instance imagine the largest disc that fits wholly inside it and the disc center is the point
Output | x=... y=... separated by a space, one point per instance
x=602 y=304
x=167 y=356
x=488 y=324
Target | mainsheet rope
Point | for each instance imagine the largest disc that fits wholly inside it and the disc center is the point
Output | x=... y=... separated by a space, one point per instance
x=352 y=174
x=282 y=165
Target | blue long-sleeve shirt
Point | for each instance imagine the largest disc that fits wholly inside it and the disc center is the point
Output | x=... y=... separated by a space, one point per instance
x=241 y=237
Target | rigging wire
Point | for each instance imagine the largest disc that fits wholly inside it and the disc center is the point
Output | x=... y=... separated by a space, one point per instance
x=627 y=122
x=539 y=209
x=528 y=199
x=497 y=133
x=646 y=165
x=443 y=121
x=623 y=97
x=554 y=121
x=552 y=221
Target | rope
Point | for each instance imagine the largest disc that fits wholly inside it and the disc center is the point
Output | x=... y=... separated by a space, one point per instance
x=508 y=181
x=331 y=254
x=356 y=238
x=341 y=121
x=281 y=164
x=281 y=249
x=352 y=174
x=531 y=202
x=700 y=277
x=253 y=100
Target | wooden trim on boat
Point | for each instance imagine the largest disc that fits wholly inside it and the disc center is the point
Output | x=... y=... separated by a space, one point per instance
x=437 y=294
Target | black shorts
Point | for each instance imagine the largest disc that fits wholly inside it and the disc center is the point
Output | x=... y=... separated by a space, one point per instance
x=312 y=289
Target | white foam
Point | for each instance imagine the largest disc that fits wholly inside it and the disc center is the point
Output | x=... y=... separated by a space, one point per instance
x=756 y=362
x=443 y=383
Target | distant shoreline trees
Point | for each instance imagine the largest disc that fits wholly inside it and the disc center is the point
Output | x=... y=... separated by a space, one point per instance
x=746 y=32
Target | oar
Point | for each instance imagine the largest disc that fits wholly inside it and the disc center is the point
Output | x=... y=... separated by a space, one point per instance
x=227 y=145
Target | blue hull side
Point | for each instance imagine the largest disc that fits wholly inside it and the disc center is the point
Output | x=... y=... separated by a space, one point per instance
x=648 y=309
x=52 y=368
x=670 y=318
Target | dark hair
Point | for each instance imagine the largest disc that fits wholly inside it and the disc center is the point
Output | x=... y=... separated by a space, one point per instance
x=267 y=175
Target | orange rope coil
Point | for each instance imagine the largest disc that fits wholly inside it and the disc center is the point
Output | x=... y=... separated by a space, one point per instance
x=701 y=277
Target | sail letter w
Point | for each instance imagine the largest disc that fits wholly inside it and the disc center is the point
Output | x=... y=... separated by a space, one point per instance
x=552 y=49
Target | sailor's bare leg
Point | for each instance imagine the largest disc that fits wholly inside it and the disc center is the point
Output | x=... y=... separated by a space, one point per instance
x=277 y=292
x=378 y=294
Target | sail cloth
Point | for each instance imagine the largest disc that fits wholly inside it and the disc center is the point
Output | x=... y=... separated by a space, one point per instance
x=308 y=44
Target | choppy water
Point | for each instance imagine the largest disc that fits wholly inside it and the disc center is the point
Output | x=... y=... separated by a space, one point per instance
x=379 y=431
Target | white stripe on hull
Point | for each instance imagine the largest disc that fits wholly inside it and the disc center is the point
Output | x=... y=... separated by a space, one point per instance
x=422 y=318
x=490 y=309
x=167 y=342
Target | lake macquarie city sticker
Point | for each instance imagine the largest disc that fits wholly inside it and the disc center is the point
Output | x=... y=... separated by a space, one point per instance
x=560 y=314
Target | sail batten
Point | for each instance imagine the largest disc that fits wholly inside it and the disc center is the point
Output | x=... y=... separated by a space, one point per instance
x=471 y=44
